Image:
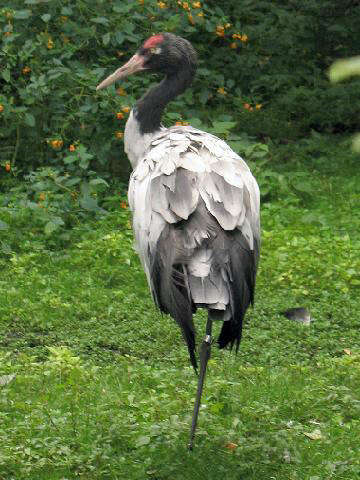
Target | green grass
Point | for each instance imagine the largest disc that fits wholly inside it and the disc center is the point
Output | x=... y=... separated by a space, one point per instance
x=103 y=387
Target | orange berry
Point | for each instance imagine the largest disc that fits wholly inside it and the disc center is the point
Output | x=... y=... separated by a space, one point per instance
x=119 y=116
x=7 y=167
x=123 y=205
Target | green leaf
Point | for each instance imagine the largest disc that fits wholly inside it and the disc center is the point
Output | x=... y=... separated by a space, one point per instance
x=223 y=127
x=342 y=69
x=22 y=14
x=3 y=225
x=106 y=38
x=30 y=119
x=72 y=181
x=89 y=203
x=100 y=20
x=50 y=227
x=6 y=75
x=70 y=159
x=141 y=441
x=46 y=17
x=98 y=181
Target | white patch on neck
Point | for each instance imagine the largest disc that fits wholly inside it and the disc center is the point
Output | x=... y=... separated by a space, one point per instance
x=136 y=143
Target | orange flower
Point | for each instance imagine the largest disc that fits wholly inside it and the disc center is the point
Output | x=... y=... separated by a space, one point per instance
x=178 y=123
x=1 y=108
x=26 y=70
x=120 y=91
x=161 y=5
x=227 y=25
x=233 y=45
x=42 y=196
x=220 y=31
x=222 y=91
x=244 y=38
x=119 y=116
x=258 y=106
x=196 y=4
x=72 y=148
x=50 y=44
x=119 y=134
x=123 y=205
x=57 y=143
x=126 y=109
x=247 y=106
x=185 y=6
x=7 y=167
x=200 y=14
x=191 y=19
x=236 y=36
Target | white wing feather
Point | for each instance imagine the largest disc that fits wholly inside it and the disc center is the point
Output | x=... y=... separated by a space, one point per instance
x=180 y=166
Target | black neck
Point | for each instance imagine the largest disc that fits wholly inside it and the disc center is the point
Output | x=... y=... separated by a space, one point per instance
x=150 y=107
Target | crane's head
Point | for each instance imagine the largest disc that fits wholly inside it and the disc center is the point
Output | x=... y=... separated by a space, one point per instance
x=163 y=53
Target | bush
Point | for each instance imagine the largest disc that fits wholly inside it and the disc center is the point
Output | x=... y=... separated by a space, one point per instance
x=263 y=63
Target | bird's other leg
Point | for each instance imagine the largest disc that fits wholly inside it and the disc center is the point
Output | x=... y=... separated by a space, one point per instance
x=204 y=358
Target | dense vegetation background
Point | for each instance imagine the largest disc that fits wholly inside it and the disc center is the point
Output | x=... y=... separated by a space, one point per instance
x=270 y=54
x=94 y=383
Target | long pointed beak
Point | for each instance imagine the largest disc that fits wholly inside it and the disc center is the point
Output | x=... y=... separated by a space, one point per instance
x=135 y=64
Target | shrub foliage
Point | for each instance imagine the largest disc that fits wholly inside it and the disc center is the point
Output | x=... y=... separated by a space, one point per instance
x=262 y=63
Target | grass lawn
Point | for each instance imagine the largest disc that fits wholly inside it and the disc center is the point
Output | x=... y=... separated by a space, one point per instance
x=96 y=384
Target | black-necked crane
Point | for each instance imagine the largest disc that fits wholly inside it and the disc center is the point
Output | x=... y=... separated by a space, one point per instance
x=195 y=207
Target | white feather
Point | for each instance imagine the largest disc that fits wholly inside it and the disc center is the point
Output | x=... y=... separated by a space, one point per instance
x=159 y=194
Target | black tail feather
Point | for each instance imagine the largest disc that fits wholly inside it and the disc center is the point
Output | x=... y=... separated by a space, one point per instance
x=242 y=263
x=170 y=290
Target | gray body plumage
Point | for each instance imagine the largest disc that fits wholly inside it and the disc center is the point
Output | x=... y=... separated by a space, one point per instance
x=195 y=210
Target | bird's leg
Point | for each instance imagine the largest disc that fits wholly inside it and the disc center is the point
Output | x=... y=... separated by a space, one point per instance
x=204 y=358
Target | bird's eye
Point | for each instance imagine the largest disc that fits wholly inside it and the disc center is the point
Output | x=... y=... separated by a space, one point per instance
x=155 y=50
